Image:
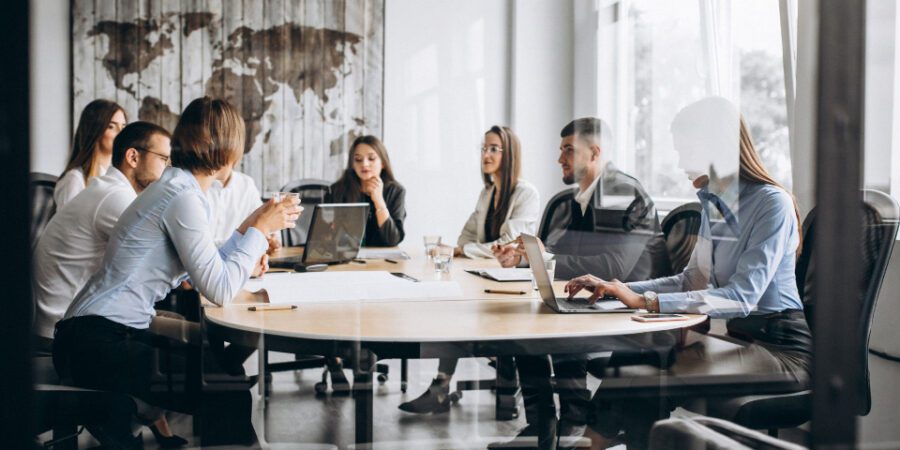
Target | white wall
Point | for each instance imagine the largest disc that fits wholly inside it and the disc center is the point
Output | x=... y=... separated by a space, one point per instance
x=50 y=86
x=446 y=83
x=454 y=69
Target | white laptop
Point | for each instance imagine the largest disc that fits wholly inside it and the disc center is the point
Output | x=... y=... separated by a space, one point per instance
x=564 y=305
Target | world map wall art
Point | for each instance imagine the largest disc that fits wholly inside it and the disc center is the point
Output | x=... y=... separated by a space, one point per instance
x=306 y=75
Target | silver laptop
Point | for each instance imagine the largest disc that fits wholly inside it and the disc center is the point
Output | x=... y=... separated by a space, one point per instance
x=564 y=305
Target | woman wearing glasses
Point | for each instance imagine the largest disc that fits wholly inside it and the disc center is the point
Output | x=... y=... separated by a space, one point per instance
x=506 y=208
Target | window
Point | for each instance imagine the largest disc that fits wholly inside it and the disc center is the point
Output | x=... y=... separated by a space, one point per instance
x=674 y=53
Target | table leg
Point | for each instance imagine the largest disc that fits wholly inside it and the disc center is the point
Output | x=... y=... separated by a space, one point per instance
x=506 y=406
x=364 y=364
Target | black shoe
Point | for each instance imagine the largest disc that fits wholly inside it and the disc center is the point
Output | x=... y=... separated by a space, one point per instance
x=339 y=383
x=173 y=441
x=436 y=399
x=527 y=439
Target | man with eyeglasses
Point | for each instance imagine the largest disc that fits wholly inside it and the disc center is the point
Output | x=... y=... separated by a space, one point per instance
x=607 y=224
x=74 y=242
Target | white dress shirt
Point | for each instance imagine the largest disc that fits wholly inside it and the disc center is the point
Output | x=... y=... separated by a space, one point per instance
x=71 y=248
x=69 y=185
x=230 y=204
x=160 y=240
x=522 y=217
x=583 y=198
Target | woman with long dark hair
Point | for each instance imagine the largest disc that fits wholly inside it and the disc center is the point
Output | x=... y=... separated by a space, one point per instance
x=507 y=207
x=369 y=178
x=100 y=122
x=741 y=269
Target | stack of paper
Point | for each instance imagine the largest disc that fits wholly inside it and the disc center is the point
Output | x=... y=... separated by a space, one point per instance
x=367 y=286
x=381 y=253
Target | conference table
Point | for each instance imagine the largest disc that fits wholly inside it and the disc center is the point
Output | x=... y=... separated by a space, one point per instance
x=474 y=324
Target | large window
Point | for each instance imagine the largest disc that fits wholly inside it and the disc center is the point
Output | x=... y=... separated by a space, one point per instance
x=674 y=53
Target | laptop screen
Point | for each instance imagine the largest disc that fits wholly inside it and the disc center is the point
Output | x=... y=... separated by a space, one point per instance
x=541 y=278
x=336 y=233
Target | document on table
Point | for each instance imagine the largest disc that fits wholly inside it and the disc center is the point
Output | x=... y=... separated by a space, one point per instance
x=366 y=286
x=380 y=253
x=515 y=274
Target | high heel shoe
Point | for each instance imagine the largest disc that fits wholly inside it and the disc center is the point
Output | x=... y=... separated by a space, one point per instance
x=436 y=399
x=173 y=441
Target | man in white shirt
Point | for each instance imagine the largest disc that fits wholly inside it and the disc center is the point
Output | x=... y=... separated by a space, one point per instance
x=230 y=202
x=72 y=246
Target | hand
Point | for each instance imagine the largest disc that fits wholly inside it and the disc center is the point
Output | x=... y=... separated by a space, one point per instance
x=374 y=188
x=457 y=252
x=262 y=266
x=600 y=288
x=274 y=243
x=507 y=255
x=273 y=216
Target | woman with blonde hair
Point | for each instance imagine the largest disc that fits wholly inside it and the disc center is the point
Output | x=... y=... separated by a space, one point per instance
x=100 y=122
x=741 y=269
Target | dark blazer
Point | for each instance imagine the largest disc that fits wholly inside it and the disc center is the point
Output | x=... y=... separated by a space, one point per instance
x=618 y=236
x=390 y=233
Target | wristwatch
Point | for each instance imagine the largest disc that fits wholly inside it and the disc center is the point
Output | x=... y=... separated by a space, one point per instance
x=651 y=301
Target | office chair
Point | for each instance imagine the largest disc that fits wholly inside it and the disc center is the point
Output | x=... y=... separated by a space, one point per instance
x=41 y=187
x=680 y=228
x=312 y=192
x=880 y=214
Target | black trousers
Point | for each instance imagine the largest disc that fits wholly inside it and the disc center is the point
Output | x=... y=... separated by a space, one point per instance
x=571 y=385
x=97 y=353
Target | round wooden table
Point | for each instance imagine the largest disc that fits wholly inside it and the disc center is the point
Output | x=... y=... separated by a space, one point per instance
x=477 y=324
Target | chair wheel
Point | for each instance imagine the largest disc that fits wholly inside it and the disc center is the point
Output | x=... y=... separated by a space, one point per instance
x=455 y=396
x=382 y=378
x=403 y=386
x=321 y=388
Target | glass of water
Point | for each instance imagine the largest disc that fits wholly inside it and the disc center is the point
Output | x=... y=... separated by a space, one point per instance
x=443 y=257
x=550 y=265
x=430 y=243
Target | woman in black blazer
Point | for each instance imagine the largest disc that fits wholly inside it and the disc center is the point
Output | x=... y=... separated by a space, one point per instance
x=369 y=178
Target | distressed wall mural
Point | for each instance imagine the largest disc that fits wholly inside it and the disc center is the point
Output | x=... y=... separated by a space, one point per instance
x=307 y=75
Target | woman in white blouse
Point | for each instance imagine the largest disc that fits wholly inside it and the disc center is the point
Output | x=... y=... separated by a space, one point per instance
x=100 y=122
x=507 y=207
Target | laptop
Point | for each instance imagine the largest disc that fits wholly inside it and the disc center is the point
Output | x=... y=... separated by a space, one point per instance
x=335 y=235
x=564 y=305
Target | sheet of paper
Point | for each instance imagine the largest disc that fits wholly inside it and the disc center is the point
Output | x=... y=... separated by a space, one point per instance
x=380 y=253
x=514 y=274
x=366 y=286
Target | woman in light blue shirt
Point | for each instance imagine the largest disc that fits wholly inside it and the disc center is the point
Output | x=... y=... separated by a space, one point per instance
x=161 y=240
x=742 y=267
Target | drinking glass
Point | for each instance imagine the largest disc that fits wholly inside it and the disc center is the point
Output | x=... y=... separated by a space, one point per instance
x=550 y=265
x=430 y=243
x=443 y=257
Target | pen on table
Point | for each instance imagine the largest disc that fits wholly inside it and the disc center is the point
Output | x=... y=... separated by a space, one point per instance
x=503 y=291
x=271 y=307
x=391 y=261
x=359 y=261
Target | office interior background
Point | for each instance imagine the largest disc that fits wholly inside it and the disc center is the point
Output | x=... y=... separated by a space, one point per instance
x=431 y=76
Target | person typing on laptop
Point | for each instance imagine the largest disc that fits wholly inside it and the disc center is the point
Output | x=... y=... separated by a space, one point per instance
x=607 y=224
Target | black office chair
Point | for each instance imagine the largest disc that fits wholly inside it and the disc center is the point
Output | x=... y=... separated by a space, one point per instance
x=41 y=187
x=680 y=228
x=880 y=215
x=312 y=192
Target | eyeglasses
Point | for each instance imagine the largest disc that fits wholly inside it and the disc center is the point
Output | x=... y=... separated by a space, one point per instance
x=165 y=158
x=493 y=149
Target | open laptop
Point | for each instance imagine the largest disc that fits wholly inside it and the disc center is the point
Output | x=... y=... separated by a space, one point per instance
x=564 y=305
x=336 y=232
